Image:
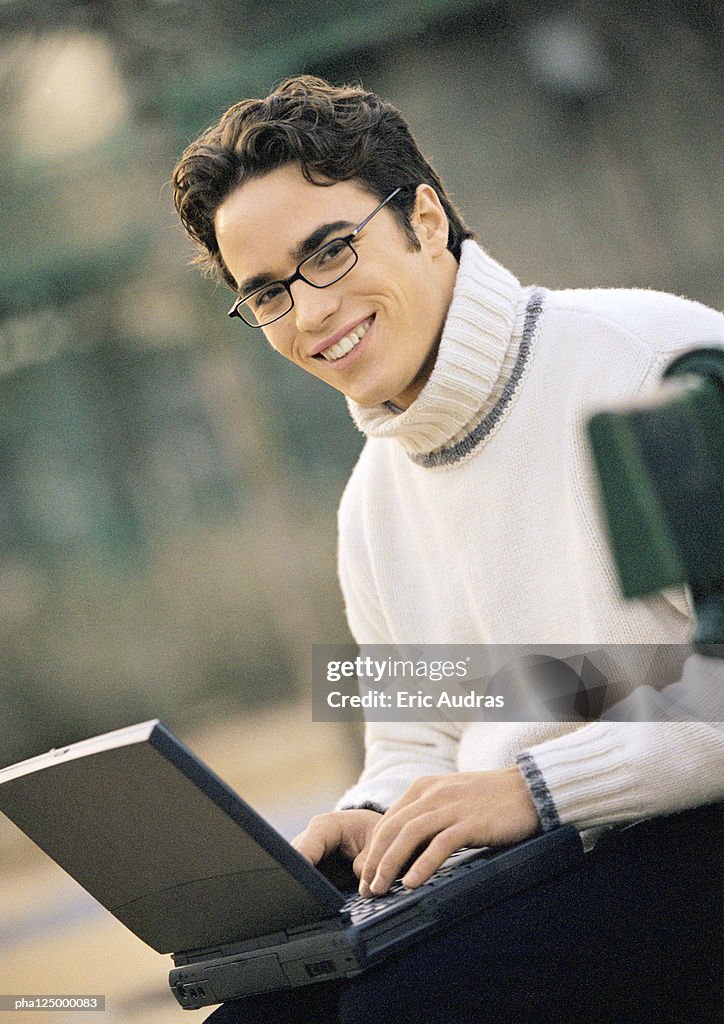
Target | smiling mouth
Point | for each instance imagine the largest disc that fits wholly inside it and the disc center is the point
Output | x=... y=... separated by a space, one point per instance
x=345 y=345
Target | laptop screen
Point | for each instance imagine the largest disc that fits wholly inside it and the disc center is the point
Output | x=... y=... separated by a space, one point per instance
x=162 y=842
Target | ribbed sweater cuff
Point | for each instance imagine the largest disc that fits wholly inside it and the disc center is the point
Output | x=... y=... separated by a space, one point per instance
x=585 y=774
x=540 y=794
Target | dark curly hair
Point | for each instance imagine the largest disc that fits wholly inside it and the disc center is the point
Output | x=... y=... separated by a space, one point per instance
x=335 y=133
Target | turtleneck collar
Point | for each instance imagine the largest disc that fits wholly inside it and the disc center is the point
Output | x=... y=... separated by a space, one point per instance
x=481 y=357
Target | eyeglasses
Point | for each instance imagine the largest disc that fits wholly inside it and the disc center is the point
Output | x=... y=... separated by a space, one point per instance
x=324 y=267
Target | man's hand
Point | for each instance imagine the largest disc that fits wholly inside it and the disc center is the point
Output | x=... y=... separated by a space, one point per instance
x=348 y=832
x=438 y=815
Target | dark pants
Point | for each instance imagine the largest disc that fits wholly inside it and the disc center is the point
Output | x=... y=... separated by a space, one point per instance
x=630 y=937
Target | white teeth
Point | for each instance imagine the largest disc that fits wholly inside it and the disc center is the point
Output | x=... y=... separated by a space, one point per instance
x=347 y=343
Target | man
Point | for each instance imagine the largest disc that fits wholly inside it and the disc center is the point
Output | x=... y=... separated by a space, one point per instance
x=470 y=518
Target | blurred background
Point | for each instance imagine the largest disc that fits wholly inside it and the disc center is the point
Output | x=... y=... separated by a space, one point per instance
x=168 y=485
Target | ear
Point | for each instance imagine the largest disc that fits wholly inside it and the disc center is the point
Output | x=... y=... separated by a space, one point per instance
x=430 y=220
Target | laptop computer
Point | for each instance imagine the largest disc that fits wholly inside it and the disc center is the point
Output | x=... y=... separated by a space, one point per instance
x=179 y=858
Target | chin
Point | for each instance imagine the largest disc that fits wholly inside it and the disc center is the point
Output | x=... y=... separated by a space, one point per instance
x=373 y=393
x=368 y=399
x=365 y=401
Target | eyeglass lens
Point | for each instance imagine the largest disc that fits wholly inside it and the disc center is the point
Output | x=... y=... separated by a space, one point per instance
x=321 y=269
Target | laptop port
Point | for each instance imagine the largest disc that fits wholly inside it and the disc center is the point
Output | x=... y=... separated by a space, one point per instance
x=188 y=994
x=320 y=967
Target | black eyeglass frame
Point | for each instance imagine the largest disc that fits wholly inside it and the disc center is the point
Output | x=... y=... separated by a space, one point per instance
x=299 y=276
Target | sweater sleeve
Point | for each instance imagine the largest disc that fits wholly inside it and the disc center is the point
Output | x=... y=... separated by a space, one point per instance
x=396 y=753
x=656 y=752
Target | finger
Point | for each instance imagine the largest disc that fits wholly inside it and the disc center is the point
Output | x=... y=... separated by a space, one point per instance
x=380 y=847
x=358 y=862
x=436 y=853
x=418 y=802
x=309 y=846
x=388 y=856
x=319 y=838
x=358 y=866
x=388 y=830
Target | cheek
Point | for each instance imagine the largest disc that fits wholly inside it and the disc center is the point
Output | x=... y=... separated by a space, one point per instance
x=409 y=290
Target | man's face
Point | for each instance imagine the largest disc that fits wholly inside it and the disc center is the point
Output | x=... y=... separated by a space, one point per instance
x=392 y=304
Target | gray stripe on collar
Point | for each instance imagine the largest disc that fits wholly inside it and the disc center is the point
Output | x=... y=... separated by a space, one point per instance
x=462 y=448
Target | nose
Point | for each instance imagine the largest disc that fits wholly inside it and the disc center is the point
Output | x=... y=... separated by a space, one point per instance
x=312 y=306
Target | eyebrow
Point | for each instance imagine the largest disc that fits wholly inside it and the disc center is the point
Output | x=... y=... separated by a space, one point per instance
x=305 y=248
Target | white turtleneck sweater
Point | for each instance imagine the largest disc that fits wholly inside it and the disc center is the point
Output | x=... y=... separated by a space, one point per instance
x=472 y=518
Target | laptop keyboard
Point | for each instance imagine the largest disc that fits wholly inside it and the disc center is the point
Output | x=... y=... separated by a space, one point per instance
x=361 y=908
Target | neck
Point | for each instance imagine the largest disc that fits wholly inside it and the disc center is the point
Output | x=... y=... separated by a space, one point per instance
x=448 y=268
x=470 y=380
